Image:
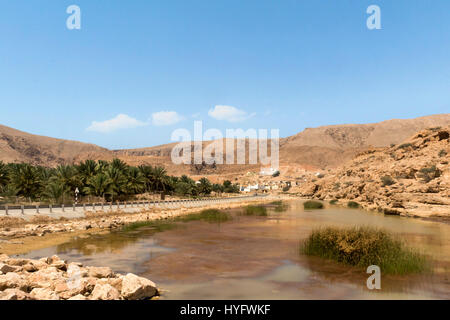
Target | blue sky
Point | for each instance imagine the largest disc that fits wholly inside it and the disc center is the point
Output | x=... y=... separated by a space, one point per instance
x=265 y=64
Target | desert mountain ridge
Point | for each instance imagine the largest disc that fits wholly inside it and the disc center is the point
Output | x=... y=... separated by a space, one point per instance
x=312 y=149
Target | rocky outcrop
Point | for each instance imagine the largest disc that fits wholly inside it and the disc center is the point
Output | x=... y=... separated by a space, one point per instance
x=411 y=179
x=55 y=279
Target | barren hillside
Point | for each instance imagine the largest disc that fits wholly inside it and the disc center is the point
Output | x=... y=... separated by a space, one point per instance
x=411 y=178
x=18 y=146
x=311 y=149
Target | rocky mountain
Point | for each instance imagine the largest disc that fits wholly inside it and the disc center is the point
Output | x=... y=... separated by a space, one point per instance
x=311 y=149
x=411 y=178
x=331 y=146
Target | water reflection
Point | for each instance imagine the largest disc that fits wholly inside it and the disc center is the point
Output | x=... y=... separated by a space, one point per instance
x=258 y=257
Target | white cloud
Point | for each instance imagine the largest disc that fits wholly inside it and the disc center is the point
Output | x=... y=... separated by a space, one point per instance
x=121 y=121
x=229 y=113
x=166 y=118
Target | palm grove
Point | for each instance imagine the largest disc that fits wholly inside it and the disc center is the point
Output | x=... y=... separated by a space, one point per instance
x=110 y=181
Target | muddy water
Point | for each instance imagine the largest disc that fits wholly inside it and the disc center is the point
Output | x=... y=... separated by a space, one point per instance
x=258 y=257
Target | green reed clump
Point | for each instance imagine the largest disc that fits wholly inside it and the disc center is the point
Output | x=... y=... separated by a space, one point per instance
x=353 y=204
x=252 y=210
x=333 y=201
x=208 y=215
x=311 y=204
x=157 y=225
x=278 y=206
x=362 y=247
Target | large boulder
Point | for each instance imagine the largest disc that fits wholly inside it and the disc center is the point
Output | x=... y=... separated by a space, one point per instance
x=137 y=288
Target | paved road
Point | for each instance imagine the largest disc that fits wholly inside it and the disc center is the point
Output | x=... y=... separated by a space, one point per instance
x=79 y=210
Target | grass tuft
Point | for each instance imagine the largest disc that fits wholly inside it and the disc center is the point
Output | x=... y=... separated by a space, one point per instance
x=208 y=215
x=279 y=206
x=158 y=226
x=333 y=201
x=362 y=247
x=252 y=210
x=353 y=204
x=311 y=204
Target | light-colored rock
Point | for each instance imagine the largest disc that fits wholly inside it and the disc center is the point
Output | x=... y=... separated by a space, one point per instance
x=29 y=267
x=137 y=288
x=61 y=265
x=16 y=262
x=43 y=294
x=14 y=294
x=74 y=270
x=13 y=280
x=7 y=268
x=115 y=282
x=100 y=272
x=78 y=297
x=38 y=264
x=44 y=278
x=105 y=292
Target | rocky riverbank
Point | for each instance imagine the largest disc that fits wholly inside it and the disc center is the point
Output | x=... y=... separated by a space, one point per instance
x=55 y=279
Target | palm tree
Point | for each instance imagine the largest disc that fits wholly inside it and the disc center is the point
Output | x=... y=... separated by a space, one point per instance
x=87 y=170
x=4 y=176
x=135 y=181
x=9 y=192
x=119 y=165
x=160 y=179
x=204 y=187
x=147 y=173
x=102 y=165
x=217 y=188
x=98 y=185
x=184 y=189
x=25 y=178
x=118 y=181
x=67 y=177
x=55 y=191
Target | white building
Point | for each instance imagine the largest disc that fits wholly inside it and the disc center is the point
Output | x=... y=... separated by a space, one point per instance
x=267 y=171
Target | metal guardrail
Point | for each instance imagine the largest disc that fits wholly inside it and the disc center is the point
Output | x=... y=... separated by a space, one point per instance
x=5 y=209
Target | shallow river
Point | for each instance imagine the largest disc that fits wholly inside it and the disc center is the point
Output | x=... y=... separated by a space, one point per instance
x=258 y=257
